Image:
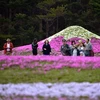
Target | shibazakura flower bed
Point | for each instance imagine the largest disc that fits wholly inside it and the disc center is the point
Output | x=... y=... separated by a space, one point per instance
x=73 y=89
x=55 y=45
x=49 y=62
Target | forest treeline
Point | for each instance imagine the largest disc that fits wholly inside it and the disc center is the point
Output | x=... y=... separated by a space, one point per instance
x=23 y=20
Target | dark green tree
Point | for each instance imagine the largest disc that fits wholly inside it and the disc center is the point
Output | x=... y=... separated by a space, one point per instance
x=50 y=12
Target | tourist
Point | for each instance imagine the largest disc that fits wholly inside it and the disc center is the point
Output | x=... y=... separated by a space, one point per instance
x=8 y=47
x=46 y=48
x=88 y=50
x=34 y=47
x=74 y=49
x=65 y=49
x=81 y=48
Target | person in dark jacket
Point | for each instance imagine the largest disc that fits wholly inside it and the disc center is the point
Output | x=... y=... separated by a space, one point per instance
x=34 y=47
x=65 y=49
x=46 y=48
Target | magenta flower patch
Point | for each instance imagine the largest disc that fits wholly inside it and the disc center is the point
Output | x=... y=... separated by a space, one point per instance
x=47 y=63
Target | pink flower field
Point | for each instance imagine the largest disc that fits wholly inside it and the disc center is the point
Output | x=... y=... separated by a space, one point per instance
x=55 y=45
x=22 y=57
x=47 y=63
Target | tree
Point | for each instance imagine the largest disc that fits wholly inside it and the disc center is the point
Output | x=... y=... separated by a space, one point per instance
x=22 y=20
x=95 y=6
x=50 y=12
x=95 y=10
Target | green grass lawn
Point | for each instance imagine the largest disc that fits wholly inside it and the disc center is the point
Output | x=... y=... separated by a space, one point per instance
x=46 y=98
x=16 y=75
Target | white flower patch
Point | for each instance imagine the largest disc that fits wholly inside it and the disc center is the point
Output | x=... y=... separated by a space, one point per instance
x=74 y=31
x=91 y=90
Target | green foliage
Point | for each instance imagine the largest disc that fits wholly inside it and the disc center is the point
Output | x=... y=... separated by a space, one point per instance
x=50 y=11
x=95 y=4
x=2 y=36
x=20 y=16
x=45 y=4
x=16 y=75
x=23 y=20
x=59 y=11
x=76 y=7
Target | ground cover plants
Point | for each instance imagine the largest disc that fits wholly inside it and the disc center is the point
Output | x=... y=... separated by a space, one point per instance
x=55 y=77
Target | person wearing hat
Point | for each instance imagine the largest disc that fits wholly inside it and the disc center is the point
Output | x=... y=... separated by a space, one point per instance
x=65 y=49
x=8 y=47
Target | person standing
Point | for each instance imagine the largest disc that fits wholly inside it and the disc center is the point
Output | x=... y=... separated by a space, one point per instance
x=81 y=48
x=8 y=47
x=65 y=49
x=46 y=48
x=34 y=47
x=74 y=49
x=88 y=48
